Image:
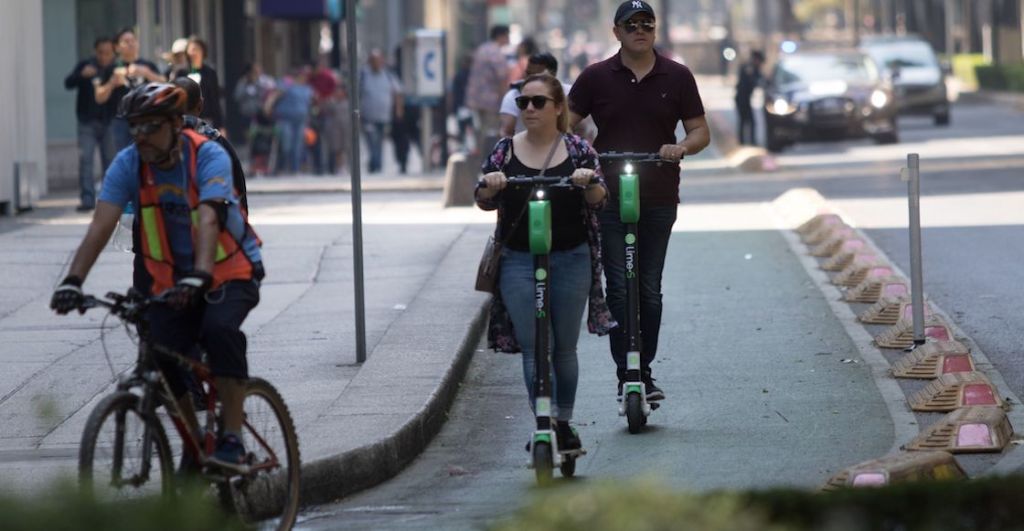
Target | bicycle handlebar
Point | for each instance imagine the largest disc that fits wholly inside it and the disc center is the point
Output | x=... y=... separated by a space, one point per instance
x=128 y=306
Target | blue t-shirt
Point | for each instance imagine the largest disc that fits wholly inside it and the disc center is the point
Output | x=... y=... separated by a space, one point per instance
x=213 y=176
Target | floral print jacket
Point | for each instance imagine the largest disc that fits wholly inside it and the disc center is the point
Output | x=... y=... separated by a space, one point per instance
x=500 y=335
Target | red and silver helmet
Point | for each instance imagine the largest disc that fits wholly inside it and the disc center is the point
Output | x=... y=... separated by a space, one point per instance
x=153 y=99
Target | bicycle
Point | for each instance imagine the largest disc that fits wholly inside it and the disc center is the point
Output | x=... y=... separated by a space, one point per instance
x=125 y=451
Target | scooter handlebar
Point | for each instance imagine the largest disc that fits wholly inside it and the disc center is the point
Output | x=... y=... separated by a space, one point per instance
x=628 y=156
x=545 y=180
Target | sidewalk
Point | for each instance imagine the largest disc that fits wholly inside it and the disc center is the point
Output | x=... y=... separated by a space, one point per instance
x=357 y=425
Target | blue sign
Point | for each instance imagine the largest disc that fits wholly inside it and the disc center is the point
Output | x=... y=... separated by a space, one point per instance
x=429 y=67
x=303 y=9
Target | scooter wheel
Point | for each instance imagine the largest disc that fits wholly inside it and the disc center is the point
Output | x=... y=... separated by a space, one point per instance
x=543 y=462
x=568 y=466
x=634 y=413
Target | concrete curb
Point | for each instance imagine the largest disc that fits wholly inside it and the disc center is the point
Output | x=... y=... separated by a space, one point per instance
x=422 y=358
x=285 y=185
x=743 y=158
x=1015 y=99
x=799 y=205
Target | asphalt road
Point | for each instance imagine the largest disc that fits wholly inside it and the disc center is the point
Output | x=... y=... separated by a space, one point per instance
x=751 y=354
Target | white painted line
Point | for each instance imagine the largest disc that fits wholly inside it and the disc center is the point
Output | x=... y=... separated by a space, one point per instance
x=904 y=422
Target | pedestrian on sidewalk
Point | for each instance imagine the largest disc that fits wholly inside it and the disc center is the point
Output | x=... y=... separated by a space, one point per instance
x=125 y=73
x=575 y=263
x=93 y=119
x=488 y=81
x=203 y=73
x=405 y=125
x=538 y=63
x=290 y=105
x=636 y=98
x=749 y=79
x=177 y=60
x=209 y=289
x=381 y=97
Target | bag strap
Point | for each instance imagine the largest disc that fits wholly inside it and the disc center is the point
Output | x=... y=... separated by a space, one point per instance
x=544 y=168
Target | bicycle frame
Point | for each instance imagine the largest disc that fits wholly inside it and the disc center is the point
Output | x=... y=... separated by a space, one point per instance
x=148 y=376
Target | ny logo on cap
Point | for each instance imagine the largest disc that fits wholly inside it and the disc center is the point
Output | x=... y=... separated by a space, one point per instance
x=637 y=4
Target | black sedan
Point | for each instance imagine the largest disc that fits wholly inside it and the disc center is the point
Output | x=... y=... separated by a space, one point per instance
x=813 y=96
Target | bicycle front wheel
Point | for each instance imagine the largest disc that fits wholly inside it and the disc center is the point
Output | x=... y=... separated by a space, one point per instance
x=271 y=488
x=124 y=453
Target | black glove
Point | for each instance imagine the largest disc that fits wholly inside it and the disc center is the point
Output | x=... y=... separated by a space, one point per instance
x=68 y=296
x=189 y=290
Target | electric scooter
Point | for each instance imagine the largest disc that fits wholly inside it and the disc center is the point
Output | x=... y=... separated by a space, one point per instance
x=634 y=406
x=545 y=451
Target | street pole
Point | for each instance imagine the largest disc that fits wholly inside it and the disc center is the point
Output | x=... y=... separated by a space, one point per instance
x=665 y=10
x=354 y=169
x=913 y=178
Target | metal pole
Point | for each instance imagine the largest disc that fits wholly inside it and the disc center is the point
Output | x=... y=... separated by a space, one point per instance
x=916 y=274
x=354 y=169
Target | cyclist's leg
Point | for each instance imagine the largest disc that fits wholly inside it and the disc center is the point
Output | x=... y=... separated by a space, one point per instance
x=178 y=331
x=225 y=344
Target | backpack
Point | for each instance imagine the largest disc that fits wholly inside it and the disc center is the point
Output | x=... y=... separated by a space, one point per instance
x=237 y=172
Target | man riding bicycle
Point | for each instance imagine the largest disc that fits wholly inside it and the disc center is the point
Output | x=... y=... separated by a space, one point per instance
x=193 y=245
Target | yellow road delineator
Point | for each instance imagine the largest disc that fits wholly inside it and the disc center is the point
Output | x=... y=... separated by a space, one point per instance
x=901 y=335
x=954 y=391
x=889 y=311
x=847 y=254
x=977 y=429
x=828 y=231
x=863 y=266
x=833 y=245
x=899 y=468
x=932 y=360
x=821 y=220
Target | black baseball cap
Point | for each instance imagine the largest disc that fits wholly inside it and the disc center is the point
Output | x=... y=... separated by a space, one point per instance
x=631 y=7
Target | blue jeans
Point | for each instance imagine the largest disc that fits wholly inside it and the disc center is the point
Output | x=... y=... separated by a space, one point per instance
x=293 y=144
x=374 y=133
x=118 y=134
x=91 y=135
x=569 y=289
x=653 y=233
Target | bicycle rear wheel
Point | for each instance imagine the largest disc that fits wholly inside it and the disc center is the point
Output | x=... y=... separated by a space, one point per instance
x=112 y=459
x=271 y=489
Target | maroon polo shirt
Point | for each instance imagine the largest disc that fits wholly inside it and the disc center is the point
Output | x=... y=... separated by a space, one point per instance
x=638 y=116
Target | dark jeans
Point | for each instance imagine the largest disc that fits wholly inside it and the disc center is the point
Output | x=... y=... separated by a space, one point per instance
x=653 y=233
x=374 y=133
x=214 y=324
x=747 y=127
x=292 y=134
x=92 y=135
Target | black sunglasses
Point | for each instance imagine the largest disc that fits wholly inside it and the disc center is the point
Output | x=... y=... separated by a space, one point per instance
x=538 y=101
x=146 y=128
x=631 y=27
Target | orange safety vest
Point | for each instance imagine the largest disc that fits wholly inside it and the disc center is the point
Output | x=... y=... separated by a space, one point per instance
x=230 y=262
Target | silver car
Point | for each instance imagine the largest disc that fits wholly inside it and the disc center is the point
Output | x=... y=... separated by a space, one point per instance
x=917 y=76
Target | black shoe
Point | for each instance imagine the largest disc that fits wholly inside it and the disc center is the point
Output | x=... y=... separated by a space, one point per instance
x=618 y=398
x=653 y=391
x=568 y=438
x=230 y=454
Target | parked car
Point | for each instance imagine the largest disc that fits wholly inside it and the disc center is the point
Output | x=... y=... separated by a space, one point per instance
x=828 y=95
x=917 y=75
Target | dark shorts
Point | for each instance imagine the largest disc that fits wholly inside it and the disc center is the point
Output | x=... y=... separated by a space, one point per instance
x=215 y=326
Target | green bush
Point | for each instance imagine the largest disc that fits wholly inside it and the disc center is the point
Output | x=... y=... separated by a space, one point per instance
x=977 y=505
x=963 y=68
x=65 y=508
x=1001 y=77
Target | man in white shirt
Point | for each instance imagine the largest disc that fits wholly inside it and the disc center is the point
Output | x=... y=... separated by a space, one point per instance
x=508 y=114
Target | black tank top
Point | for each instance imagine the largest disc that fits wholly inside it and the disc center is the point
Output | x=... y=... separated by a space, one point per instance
x=568 y=225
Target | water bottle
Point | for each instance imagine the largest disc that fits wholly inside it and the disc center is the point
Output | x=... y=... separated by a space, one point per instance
x=122 y=240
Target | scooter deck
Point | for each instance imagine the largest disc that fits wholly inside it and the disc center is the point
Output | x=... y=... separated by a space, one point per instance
x=573 y=453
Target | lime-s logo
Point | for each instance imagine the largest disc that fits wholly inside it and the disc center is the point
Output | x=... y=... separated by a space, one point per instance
x=630 y=256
